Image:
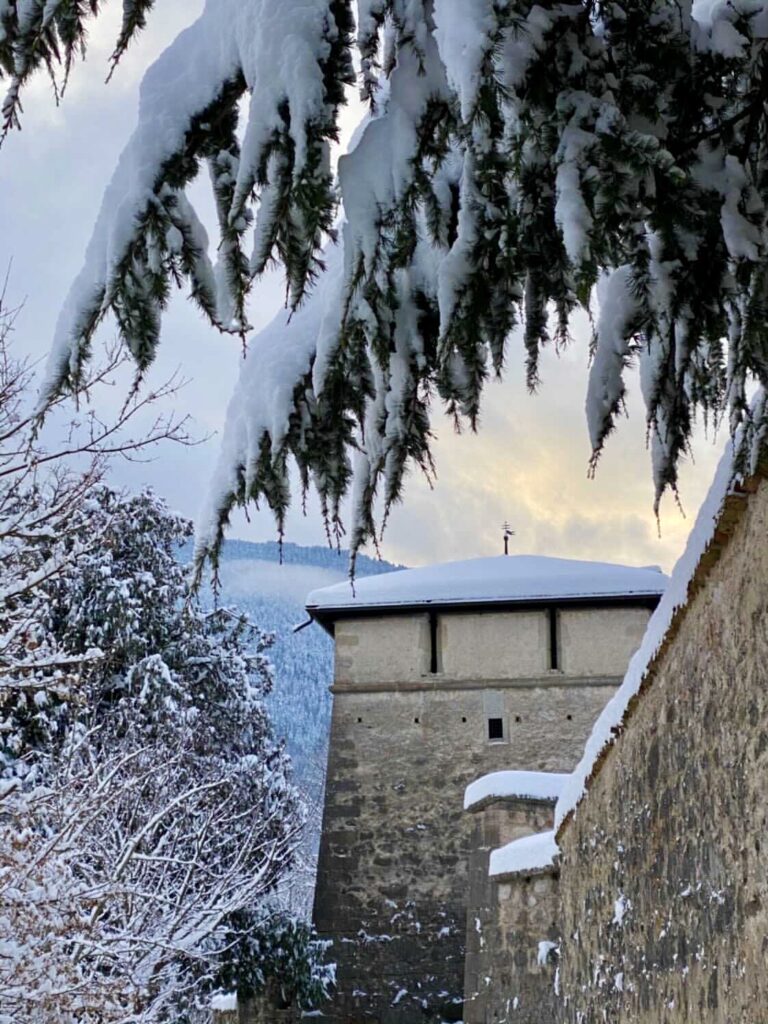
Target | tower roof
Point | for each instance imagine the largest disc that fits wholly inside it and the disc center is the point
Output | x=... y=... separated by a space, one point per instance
x=485 y=582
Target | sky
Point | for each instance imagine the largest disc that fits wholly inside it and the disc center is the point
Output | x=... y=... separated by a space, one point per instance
x=527 y=464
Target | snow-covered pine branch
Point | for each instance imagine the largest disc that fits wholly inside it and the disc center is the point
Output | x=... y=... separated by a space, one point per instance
x=516 y=155
x=294 y=60
x=51 y=34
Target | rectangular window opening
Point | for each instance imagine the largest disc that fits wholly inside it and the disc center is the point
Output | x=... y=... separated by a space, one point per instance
x=434 y=652
x=495 y=729
x=554 y=650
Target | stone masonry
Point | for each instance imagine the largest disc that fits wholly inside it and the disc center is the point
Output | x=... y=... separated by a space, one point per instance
x=509 y=972
x=664 y=874
x=394 y=872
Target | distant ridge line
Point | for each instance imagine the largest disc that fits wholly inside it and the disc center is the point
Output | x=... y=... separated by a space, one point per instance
x=300 y=554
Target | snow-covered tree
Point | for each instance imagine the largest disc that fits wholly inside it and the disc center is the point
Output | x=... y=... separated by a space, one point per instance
x=157 y=785
x=147 y=820
x=521 y=160
x=42 y=487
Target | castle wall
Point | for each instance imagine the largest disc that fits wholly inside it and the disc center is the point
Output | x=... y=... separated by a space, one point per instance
x=595 y=641
x=487 y=645
x=494 y=645
x=393 y=876
x=664 y=877
x=395 y=649
x=506 y=980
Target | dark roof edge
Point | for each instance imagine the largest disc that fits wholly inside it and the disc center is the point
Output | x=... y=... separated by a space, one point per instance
x=327 y=616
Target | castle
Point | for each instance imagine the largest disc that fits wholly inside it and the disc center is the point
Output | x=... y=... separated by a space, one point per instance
x=443 y=675
x=647 y=903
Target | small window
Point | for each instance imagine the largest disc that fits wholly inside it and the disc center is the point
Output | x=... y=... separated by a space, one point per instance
x=495 y=729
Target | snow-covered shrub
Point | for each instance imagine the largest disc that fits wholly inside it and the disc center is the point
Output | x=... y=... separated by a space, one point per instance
x=147 y=820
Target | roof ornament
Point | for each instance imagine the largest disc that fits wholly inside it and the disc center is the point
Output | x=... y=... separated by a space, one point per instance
x=508 y=532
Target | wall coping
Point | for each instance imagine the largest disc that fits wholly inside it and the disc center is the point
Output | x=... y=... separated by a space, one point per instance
x=513 y=801
x=514 y=786
x=731 y=513
x=535 y=854
x=551 y=871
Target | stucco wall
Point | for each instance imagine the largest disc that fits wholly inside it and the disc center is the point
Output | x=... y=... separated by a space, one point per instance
x=486 y=646
x=594 y=641
x=393 y=879
x=391 y=649
x=664 y=877
x=494 y=645
x=504 y=982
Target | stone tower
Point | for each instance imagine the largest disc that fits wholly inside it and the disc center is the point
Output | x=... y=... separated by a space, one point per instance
x=443 y=674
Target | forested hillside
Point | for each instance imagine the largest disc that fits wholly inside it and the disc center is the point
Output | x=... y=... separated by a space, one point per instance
x=273 y=595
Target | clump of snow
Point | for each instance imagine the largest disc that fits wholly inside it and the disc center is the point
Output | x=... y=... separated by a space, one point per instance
x=546 y=949
x=499 y=579
x=278 y=49
x=500 y=785
x=278 y=361
x=605 y=390
x=620 y=908
x=224 y=1001
x=532 y=853
x=464 y=33
x=675 y=596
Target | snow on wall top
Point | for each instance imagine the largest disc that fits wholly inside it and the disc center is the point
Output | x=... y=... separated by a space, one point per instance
x=608 y=726
x=525 y=785
x=500 y=579
x=531 y=853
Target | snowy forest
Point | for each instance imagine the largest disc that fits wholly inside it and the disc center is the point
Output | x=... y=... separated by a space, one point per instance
x=517 y=164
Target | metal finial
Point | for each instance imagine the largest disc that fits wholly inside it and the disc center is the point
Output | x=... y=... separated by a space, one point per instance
x=508 y=532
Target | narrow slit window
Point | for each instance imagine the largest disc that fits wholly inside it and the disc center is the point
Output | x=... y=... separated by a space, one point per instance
x=495 y=729
x=434 y=652
x=554 y=647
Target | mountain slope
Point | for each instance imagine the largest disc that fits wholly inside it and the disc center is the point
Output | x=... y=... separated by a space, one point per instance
x=273 y=595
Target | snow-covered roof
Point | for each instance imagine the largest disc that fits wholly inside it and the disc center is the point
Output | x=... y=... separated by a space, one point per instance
x=529 y=854
x=499 y=580
x=511 y=784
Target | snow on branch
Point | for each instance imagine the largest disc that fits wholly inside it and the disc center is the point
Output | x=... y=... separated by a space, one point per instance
x=520 y=162
x=293 y=59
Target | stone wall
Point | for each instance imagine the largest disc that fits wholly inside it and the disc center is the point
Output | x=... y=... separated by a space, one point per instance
x=494 y=645
x=261 y=1010
x=393 y=878
x=664 y=874
x=505 y=978
x=395 y=649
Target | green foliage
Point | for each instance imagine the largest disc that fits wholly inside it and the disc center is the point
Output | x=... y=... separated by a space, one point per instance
x=280 y=957
x=52 y=34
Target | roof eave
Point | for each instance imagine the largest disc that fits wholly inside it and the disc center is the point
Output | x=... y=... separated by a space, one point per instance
x=327 y=616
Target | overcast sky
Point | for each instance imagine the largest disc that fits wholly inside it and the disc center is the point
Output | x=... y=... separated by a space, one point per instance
x=528 y=464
